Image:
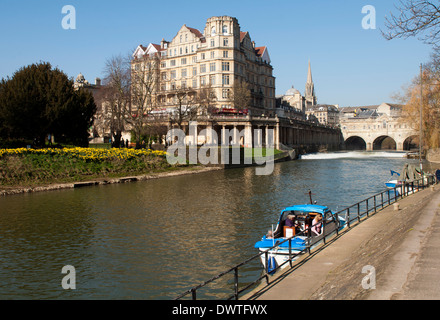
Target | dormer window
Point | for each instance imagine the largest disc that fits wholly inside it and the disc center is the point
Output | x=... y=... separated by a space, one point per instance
x=213 y=31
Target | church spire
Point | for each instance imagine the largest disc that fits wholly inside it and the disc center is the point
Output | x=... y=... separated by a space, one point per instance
x=310 y=89
x=309 y=75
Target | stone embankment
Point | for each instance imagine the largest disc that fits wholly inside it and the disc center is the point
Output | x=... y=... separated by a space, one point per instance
x=104 y=181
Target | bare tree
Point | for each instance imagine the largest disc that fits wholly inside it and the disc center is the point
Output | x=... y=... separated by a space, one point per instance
x=144 y=81
x=205 y=100
x=416 y=17
x=241 y=95
x=185 y=99
x=116 y=95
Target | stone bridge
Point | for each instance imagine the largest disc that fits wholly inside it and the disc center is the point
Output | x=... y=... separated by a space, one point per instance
x=381 y=133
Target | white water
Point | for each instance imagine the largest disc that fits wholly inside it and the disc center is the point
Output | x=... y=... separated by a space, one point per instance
x=353 y=155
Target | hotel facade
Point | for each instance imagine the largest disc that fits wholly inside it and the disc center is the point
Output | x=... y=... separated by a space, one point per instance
x=220 y=58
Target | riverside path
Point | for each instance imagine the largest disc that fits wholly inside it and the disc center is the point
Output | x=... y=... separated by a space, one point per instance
x=401 y=245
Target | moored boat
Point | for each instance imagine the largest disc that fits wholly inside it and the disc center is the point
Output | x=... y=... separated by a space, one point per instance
x=409 y=177
x=305 y=225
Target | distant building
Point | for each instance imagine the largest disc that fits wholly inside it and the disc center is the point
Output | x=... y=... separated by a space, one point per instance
x=295 y=105
x=325 y=114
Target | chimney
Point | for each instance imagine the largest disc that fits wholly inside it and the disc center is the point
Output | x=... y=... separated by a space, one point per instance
x=98 y=82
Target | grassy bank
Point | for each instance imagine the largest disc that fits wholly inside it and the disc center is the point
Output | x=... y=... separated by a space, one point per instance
x=34 y=167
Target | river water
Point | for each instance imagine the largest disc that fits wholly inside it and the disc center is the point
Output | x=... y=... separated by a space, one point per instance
x=155 y=239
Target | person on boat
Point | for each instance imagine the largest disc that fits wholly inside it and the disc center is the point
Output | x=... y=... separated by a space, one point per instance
x=317 y=224
x=292 y=222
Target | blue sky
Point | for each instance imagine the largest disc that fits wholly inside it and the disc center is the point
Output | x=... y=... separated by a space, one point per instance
x=351 y=66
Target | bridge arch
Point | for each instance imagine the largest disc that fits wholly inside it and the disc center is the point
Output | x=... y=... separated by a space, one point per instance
x=355 y=143
x=411 y=143
x=384 y=143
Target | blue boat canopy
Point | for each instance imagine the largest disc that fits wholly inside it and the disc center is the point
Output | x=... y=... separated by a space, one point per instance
x=308 y=208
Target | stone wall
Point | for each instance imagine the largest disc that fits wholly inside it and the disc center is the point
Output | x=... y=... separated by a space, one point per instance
x=433 y=155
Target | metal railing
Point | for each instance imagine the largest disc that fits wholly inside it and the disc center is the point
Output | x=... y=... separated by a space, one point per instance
x=354 y=214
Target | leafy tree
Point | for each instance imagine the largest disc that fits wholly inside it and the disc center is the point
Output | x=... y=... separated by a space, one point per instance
x=38 y=101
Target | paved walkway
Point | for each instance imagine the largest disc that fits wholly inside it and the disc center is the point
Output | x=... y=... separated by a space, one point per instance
x=402 y=246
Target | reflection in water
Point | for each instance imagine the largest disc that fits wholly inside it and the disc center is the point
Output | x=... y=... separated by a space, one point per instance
x=156 y=239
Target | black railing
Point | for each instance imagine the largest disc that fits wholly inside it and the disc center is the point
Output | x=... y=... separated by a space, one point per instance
x=353 y=215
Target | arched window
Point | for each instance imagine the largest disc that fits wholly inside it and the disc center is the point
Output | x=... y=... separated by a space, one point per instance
x=213 y=31
x=225 y=29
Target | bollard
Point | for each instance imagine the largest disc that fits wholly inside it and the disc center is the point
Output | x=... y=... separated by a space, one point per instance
x=396 y=206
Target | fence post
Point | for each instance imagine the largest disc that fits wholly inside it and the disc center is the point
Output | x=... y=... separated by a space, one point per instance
x=290 y=252
x=381 y=199
x=367 y=208
x=375 y=204
x=236 y=283
x=266 y=257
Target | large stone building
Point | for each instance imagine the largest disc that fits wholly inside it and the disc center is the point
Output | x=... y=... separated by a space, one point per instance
x=219 y=58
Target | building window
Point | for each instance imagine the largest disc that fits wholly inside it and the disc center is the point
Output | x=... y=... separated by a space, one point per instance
x=225 y=54
x=173 y=74
x=194 y=71
x=212 y=66
x=212 y=42
x=183 y=61
x=225 y=93
x=213 y=31
x=194 y=83
x=212 y=79
x=194 y=59
x=202 y=68
x=202 y=56
x=225 y=42
x=202 y=81
x=173 y=63
x=225 y=29
x=183 y=73
x=225 y=79
x=225 y=66
x=212 y=54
